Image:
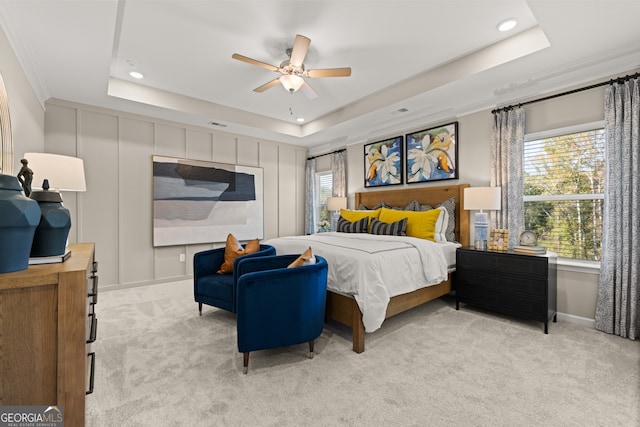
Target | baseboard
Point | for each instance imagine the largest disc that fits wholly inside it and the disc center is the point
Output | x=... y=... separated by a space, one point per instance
x=144 y=283
x=577 y=320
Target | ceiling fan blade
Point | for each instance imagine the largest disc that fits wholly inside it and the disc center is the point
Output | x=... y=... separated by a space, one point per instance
x=299 y=51
x=308 y=91
x=269 y=85
x=329 y=72
x=254 y=62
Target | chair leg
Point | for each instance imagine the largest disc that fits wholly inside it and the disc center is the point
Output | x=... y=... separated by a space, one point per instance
x=311 y=349
x=245 y=360
x=200 y=308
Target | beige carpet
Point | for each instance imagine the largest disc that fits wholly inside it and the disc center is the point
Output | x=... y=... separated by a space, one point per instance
x=159 y=364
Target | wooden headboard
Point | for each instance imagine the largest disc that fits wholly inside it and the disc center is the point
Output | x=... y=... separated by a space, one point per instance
x=426 y=196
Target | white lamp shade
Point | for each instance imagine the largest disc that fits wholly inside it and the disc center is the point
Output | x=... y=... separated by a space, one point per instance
x=63 y=172
x=336 y=203
x=482 y=198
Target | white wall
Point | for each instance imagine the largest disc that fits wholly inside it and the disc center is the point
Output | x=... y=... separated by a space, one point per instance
x=576 y=290
x=27 y=114
x=116 y=211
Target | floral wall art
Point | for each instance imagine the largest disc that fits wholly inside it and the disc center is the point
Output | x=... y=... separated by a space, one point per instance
x=383 y=162
x=432 y=154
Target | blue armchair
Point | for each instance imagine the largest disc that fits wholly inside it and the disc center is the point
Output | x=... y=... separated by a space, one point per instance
x=218 y=290
x=279 y=306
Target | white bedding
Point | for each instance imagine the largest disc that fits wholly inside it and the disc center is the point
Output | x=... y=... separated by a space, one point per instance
x=372 y=268
x=449 y=250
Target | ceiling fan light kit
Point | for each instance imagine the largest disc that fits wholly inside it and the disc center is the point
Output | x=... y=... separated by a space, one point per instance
x=291 y=82
x=292 y=70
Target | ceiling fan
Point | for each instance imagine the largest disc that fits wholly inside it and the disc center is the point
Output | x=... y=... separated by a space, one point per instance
x=292 y=70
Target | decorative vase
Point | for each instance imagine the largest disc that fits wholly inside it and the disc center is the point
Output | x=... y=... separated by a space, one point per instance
x=18 y=221
x=50 y=238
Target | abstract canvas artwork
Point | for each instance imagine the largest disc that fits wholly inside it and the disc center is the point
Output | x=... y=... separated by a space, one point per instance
x=197 y=201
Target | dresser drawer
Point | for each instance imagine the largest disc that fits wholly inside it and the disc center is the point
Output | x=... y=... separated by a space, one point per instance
x=90 y=372
x=507 y=263
x=530 y=285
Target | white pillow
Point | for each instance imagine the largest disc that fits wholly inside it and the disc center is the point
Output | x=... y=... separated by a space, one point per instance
x=441 y=225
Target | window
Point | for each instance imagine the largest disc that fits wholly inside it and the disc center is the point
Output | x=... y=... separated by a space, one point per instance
x=563 y=190
x=324 y=190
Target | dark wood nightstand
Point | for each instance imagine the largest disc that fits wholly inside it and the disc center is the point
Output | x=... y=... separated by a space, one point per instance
x=507 y=282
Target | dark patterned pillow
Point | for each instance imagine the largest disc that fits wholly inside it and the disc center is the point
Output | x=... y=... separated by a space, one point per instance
x=450 y=206
x=378 y=206
x=413 y=206
x=359 y=226
x=398 y=228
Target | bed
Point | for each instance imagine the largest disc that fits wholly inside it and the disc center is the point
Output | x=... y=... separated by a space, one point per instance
x=342 y=306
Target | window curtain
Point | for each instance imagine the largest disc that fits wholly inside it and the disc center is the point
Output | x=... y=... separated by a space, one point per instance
x=6 y=138
x=339 y=172
x=310 y=197
x=507 y=145
x=619 y=284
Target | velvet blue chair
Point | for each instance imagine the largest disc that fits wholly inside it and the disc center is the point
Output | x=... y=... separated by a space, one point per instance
x=218 y=290
x=279 y=306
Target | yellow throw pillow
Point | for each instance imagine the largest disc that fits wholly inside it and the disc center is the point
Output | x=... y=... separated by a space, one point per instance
x=353 y=216
x=233 y=250
x=304 y=259
x=419 y=224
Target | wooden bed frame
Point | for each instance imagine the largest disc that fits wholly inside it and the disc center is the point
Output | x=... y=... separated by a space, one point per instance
x=345 y=310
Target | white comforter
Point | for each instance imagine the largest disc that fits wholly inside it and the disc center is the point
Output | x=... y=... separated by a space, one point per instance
x=371 y=268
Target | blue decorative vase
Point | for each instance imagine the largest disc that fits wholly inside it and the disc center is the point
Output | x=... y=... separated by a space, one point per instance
x=19 y=217
x=50 y=238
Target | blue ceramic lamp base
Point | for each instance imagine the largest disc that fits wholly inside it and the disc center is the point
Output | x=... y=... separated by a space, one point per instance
x=50 y=238
x=18 y=222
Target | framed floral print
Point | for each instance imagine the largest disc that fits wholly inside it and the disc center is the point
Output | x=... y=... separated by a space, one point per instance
x=383 y=162
x=432 y=154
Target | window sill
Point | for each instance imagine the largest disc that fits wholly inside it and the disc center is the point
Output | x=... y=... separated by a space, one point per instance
x=578 y=266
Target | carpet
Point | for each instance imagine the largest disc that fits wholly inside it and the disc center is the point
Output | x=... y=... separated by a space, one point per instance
x=159 y=364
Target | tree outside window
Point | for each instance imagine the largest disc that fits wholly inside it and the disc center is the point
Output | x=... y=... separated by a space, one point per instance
x=324 y=189
x=564 y=192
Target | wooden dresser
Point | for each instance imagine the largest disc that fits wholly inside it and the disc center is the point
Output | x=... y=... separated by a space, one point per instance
x=46 y=325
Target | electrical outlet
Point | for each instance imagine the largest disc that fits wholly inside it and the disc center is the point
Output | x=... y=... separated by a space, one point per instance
x=182 y=258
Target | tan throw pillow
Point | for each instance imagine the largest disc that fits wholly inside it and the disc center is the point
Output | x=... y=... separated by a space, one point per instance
x=233 y=250
x=305 y=259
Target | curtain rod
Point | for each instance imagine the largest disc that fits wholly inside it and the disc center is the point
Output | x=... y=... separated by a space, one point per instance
x=326 y=154
x=593 y=86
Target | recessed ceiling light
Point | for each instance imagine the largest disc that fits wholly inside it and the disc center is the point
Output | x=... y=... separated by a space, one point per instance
x=136 y=75
x=507 y=25
x=300 y=119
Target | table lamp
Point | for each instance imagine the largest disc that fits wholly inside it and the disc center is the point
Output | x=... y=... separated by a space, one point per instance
x=482 y=198
x=53 y=173
x=334 y=204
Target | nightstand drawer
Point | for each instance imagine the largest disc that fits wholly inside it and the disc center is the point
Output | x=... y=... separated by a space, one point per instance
x=507 y=263
x=529 y=285
x=515 y=305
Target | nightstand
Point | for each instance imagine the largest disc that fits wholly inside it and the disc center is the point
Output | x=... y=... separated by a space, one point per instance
x=509 y=283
